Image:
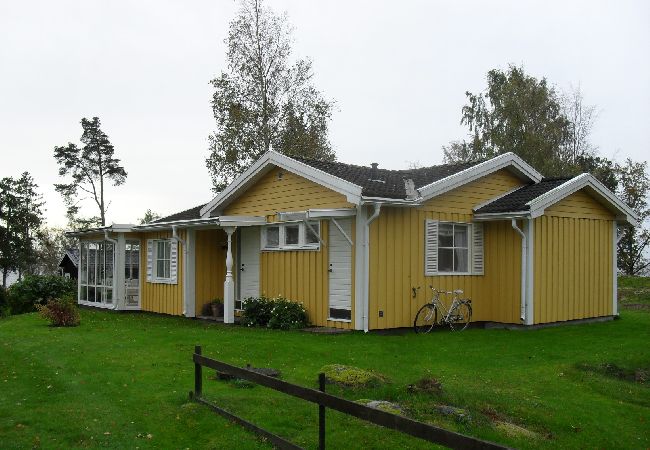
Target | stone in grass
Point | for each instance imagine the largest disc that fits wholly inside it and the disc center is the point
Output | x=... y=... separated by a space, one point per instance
x=351 y=376
x=515 y=431
x=383 y=405
x=427 y=385
x=459 y=414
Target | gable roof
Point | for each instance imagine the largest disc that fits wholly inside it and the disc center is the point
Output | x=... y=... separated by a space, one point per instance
x=532 y=200
x=366 y=184
x=386 y=183
x=188 y=214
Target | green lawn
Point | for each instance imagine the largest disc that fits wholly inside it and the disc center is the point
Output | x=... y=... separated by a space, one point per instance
x=122 y=381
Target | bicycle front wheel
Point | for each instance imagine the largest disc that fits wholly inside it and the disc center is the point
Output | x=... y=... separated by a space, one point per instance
x=460 y=316
x=425 y=319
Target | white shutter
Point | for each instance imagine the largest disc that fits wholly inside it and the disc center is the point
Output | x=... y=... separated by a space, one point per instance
x=430 y=247
x=149 y=260
x=477 y=248
x=173 y=263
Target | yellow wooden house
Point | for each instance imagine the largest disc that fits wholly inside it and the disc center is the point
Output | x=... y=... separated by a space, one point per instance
x=359 y=246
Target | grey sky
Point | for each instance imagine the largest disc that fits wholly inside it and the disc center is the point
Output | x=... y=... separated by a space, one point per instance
x=398 y=71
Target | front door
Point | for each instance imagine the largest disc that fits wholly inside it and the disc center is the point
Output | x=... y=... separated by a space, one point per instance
x=248 y=259
x=340 y=270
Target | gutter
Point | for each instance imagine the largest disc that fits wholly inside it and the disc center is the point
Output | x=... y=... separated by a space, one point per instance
x=524 y=254
x=366 y=263
x=184 y=245
x=115 y=253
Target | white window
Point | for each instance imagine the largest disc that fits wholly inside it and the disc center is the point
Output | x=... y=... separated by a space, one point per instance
x=162 y=261
x=453 y=248
x=96 y=272
x=291 y=236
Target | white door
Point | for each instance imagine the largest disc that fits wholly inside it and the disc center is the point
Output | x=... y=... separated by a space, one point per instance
x=340 y=270
x=248 y=285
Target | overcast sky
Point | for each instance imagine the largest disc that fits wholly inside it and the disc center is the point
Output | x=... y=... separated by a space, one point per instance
x=398 y=71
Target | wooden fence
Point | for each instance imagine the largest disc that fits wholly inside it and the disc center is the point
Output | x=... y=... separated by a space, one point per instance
x=402 y=424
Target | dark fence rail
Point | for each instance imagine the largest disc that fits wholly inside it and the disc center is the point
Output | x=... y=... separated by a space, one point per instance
x=402 y=424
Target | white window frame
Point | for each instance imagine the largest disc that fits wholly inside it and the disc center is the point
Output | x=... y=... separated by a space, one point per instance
x=302 y=236
x=468 y=227
x=155 y=276
x=471 y=243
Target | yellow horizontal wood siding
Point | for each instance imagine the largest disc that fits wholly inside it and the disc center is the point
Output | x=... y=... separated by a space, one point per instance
x=302 y=276
x=290 y=192
x=210 y=266
x=573 y=260
x=158 y=297
x=397 y=258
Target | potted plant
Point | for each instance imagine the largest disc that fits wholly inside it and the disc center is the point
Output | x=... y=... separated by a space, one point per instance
x=217 y=307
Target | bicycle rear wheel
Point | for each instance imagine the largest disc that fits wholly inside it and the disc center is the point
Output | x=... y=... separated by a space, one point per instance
x=460 y=316
x=425 y=319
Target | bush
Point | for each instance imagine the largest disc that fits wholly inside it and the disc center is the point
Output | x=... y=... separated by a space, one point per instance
x=287 y=315
x=274 y=313
x=256 y=311
x=4 y=303
x=61 y=312
x=37 y=289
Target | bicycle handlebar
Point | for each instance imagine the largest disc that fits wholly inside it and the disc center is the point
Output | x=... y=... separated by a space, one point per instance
x=440 y=292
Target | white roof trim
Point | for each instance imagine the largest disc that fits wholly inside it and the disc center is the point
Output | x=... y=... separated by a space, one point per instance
x=501 y=216
x=480 y=170
x=114 y=228
x=350 y=190
x=323 y=213
x=539 y=204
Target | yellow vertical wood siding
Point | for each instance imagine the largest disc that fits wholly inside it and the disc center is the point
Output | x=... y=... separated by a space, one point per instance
x=290 y=192
x=302 y=276
x=397 y=258
x=158 y=297
x=210 y=266
x=573 y=260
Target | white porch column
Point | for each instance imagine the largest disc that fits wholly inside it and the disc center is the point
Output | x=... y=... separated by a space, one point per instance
x=189 y=274
x=229 y=284
x=119 y=294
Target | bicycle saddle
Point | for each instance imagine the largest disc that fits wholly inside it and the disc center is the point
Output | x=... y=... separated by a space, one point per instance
x=458 y=291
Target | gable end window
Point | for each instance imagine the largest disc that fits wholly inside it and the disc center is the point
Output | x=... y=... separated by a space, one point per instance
x=453 y=248
x=162 y=261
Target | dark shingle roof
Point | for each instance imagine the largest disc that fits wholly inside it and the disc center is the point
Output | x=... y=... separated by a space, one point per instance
x=188 y=214
x=73 y=254
x=386 y=183
x=516 y=201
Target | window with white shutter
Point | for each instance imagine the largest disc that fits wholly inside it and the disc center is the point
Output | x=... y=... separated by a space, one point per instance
x=453 y=248
x=430 y=247
x=477 y=248
x=162 y=261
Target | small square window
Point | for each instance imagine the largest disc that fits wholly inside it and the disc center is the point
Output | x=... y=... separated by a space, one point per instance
x=273 y=237
x=292 y=235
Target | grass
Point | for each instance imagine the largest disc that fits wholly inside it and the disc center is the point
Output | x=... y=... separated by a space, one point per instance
x=121 y=381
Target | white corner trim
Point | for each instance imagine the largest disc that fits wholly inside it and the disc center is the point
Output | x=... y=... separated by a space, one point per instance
x=539 y=204
x=529 y=230
x=480 y=170
x=350 y=190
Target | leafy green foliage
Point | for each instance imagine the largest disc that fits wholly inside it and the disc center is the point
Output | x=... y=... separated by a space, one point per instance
x=89 y=167
x=61 y=312
x=5 y=310
x=278 y=313
x=351 y=376
x=149 y=216
x=265 y=100
x=38 y=289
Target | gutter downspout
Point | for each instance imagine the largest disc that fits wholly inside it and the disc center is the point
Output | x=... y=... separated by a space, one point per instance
x=115 y=255
x=366 y=263
x=524 y=258
x=184 y=244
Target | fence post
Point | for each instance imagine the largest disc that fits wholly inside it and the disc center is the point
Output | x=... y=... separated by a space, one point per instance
x=321 y=414
x=198 y=374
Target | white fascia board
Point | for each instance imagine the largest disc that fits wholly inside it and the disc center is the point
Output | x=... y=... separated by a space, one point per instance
x=241 y=221
x=115 y=228
x=339 y=212
x=391 y=201
x=539 y=204
x=501 y=216
x=350 y=190
x=480 y=170
x=179 y=223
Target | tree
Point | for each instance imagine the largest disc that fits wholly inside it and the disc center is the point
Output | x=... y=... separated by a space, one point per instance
x=149 y=216
x=51 y=245
x=634 y=186
x=264 y=101
x=516 y=113
x=90 y=168
x=21 y=216
x=581 y=119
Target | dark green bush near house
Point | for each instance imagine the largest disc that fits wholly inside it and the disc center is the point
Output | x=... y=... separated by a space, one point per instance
x=4 y=303
x=61 y=312
x=287 y=315
x=37 y=290
x=256 y=311
x=277 y=313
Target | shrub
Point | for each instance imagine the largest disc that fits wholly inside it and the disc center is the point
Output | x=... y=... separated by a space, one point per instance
x=287 y=315
x=256 y=311
x=37 y=289
x=4 y=303
x=61 y=312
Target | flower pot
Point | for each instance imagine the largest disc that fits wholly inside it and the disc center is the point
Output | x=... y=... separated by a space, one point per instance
x=217 y=309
